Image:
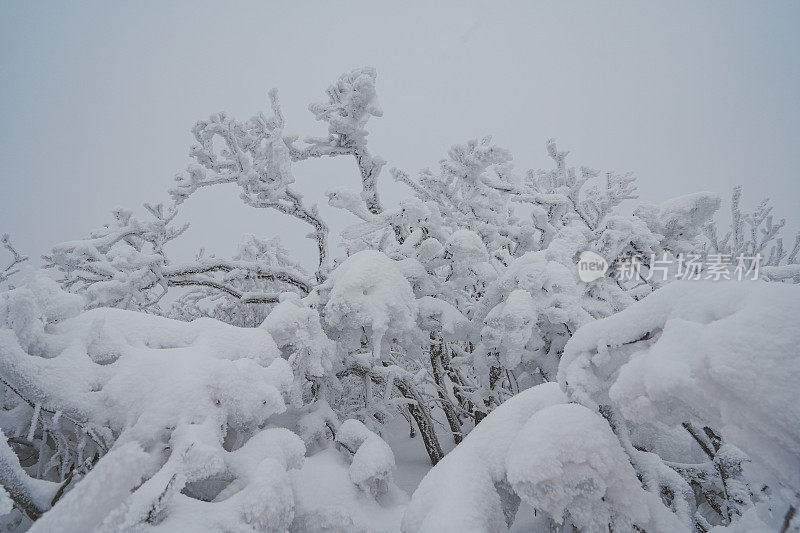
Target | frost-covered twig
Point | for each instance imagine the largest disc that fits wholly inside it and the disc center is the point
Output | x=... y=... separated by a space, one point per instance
x=757 y=234
x=16 y=258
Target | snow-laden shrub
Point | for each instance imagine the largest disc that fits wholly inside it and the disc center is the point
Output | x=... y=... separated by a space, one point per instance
x=368 y=292
x=684 y=418
x=130 y=422
x=297 y=330
x=716 y=359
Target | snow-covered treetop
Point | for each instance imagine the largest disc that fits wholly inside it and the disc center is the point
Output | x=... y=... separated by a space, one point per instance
x=352 y=101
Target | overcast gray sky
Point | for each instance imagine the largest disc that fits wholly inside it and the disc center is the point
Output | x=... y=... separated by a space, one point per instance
x=97 y=99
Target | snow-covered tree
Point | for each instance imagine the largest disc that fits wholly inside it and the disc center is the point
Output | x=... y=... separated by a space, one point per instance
x=224 y=388
x=496 y=253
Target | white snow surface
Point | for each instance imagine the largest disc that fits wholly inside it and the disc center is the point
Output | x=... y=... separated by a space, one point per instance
x=326 y=500
x=461 y=492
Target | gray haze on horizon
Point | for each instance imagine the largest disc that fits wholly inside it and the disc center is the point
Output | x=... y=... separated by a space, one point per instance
x=97 y=99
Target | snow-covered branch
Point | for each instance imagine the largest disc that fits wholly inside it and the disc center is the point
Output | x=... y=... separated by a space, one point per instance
x=16 y=258
x=757 y=233
x=352 y=100
x=256 y=157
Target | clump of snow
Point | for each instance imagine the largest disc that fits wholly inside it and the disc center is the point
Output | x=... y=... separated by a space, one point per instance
x=436 y=314
x=369 y=291
x=296 y=327
x=566 y=459
x=102 y=490
x=681 y=219
x=353 y=100
x=535 y=304
x=372 y=464
x=468 y=257
x=327 y=500
x=465 y=248
x=279 y=444
x=317 y=425
x=29 y=308
x=562 y=459
x=509 y=327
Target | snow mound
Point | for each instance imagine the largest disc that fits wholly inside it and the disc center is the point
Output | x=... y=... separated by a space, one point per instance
x=468 y=490
x=562 y=459
x=326 y=500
